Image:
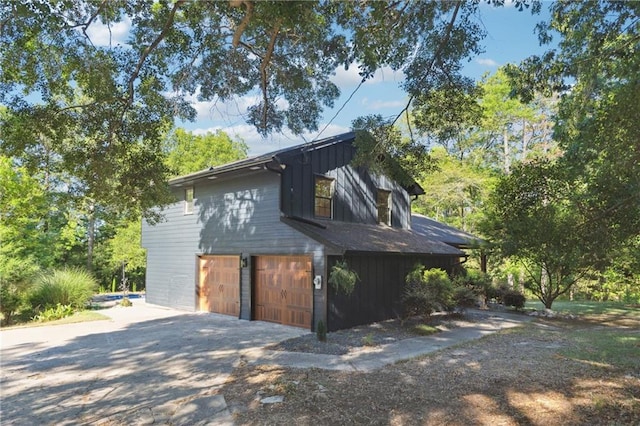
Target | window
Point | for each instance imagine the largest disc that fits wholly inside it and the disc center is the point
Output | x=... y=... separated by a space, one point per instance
x=188 y=200
x=324 y=197
x=384 y=206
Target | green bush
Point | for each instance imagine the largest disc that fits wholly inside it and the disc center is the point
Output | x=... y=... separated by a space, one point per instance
x=10 y=301
x=464 y=297
x=513 y=298
x=54 y=313
x=68 y=286
x=477 y=281
x=427 y=291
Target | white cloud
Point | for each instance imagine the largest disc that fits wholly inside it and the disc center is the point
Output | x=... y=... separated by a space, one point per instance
x=379 y=104
x=487 y=62
x=108 y=35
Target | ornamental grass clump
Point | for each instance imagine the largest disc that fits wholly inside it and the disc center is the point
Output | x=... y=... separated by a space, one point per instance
x=72 y=287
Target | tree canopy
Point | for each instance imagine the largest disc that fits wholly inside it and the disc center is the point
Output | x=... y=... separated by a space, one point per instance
x=104 y=102
x=597 y=69
x=188 y=153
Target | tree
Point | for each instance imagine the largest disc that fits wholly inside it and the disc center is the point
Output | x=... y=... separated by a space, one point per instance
x=501 y=115
x=533 y=217
x=455 y=192
x=111 y=100
x=22 y=206
x=188 y=153
x=596 y=68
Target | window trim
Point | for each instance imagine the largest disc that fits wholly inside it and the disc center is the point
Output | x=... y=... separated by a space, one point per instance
x=379 y=205
x=316 y=197
x=189 y=197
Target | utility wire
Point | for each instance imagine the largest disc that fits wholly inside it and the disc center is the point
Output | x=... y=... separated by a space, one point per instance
x=341 y=108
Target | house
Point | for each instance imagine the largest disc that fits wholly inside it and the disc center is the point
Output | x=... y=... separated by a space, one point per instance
x=438 y=231
x=257 y=239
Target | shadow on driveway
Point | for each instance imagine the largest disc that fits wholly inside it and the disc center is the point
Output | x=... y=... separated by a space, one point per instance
x=164 y=370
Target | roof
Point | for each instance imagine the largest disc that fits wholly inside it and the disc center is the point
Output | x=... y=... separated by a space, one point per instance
x=343 y=237
x=438 y=231
x=273 y=161
x=262 y=161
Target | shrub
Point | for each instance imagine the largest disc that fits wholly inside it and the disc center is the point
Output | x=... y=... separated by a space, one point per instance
x=10 y=301
x=54 y=313
x=426 y=292
x=321 y=331
x=513 y=298
x=15 y=279
x=478 y=281
x=126 y=302
x=464 y=297
x=68 y=286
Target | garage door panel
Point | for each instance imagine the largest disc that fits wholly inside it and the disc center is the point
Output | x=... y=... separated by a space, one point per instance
x=219 y=289
x=283 y=290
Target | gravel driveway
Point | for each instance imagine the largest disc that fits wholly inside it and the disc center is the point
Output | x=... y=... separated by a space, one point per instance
x=145 y=365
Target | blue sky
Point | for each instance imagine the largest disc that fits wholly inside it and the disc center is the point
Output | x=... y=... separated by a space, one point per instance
x=510 y=39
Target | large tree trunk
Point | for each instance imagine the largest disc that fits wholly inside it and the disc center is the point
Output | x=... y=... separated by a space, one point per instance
x=91 y=235
x=525 y=141
x=507 y=155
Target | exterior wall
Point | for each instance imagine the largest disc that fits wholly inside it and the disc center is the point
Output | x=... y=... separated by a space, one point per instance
x=355 y=188
x=238 y=216
x=377 y=294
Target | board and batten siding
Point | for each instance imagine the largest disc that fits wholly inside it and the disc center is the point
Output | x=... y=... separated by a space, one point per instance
x=238 y=216
x=355 y=188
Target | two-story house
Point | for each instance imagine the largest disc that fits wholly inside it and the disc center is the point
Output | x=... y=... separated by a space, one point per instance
x=257 y=238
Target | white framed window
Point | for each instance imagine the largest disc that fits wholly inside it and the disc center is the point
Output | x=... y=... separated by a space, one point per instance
x=188 y=200
x=383 y=201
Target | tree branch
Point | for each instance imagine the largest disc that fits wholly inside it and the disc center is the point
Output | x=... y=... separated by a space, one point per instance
x=150 y=48
x=263 y=70
x=243 y=24
x=435 y=58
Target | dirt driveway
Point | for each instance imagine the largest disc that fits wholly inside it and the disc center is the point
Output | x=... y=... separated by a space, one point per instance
x=145 y=365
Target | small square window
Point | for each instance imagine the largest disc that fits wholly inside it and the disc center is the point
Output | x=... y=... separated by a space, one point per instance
x=384 y=206
x=188 y=200
x=323 y=197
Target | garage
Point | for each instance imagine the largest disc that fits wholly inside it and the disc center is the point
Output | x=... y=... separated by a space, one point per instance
x=283 y=290
x=219 y=284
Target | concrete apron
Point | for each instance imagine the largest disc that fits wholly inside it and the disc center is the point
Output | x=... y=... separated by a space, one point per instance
x=367 y=359
x=155 y=365
x=146 y=365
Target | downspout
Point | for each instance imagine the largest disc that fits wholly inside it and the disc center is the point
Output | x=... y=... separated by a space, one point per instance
x=278 y=169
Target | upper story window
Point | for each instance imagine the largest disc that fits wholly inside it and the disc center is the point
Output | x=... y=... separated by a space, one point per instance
x=383 y=201
x=188 y=200
x=323 y=197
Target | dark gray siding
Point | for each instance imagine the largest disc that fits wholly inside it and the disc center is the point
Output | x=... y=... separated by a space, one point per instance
x=378 y=292
x=355 y=188
x=237 y=216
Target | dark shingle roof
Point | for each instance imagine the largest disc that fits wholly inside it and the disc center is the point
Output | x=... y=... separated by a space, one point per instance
x=259 y=161
x=341 y=237
x=438 y=231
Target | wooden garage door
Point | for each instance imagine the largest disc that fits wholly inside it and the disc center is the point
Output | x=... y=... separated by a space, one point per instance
x=219 y=288
x=283 y=290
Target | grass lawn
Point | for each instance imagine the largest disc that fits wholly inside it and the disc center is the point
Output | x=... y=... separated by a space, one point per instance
x=82 y=316
x=587 y=308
